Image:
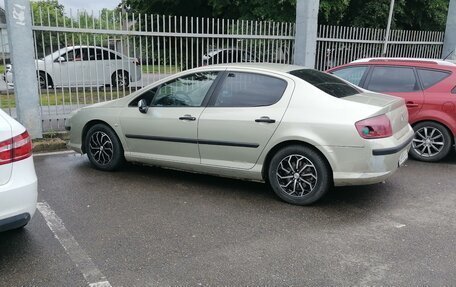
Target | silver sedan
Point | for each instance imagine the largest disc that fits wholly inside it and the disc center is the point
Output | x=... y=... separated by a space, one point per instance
x=300 y=130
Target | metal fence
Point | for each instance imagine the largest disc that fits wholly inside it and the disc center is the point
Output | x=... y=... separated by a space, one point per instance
x=338 y=45
x=85 y=58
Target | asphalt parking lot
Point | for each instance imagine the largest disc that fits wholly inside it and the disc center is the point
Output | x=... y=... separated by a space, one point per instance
x=145 y=226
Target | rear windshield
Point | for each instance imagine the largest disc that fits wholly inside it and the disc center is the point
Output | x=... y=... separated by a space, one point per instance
x=326 y=82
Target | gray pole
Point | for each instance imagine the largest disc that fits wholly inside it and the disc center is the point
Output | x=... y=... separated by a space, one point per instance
x=306 y=32
x=449 y=44
x=388 y=28
x=19 y=27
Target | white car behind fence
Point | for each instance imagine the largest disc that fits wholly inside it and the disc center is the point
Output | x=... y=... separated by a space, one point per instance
x=84 y=66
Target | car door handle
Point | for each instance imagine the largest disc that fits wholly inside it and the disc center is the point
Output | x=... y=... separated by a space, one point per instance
x=411 y=105
x=187 y=118
x=265 y=120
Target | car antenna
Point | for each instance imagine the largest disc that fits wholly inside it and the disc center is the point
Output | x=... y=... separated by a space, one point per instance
x=448 y=55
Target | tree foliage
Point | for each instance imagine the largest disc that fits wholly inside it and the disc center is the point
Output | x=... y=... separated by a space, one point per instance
x=408 y=14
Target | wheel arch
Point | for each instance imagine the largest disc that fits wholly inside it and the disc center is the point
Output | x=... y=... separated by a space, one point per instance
x=87 y=127
x=283 y=144
x=445 y=125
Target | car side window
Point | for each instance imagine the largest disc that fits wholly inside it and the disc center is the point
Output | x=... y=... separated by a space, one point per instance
x=147 y=95
x=107 y=55
x=69 y=56
x=431 y=77
x=186 y=91
x=393 y=79
x=352 y=74
x=241 y=89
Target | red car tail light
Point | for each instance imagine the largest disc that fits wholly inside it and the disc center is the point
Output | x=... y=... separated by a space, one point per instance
x=16 y=148
x=375 y=128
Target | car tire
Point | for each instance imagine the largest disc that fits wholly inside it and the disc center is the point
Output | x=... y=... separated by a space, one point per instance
x=104 y=148
x=44 y=80
x=299 y=175
x=432 y=142
x=120 y=79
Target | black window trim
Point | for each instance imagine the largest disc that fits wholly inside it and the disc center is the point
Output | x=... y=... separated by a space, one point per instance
x=371 y=71
x=363 y=78
x=205 y=101
x=216 y=92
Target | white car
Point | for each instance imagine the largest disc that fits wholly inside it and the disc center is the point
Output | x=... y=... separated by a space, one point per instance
x=298 y=129
x=84 y=66
x=18 y=182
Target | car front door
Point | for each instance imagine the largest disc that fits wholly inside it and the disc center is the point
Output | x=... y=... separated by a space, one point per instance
x=398 y=81
x=241 y=117
x=168 y=130
x=69 y=72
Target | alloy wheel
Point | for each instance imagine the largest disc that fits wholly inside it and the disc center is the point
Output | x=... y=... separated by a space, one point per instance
x=42 y=81
x=120 y=79
x=101 y=147
x=428 y=142
x=296 y=175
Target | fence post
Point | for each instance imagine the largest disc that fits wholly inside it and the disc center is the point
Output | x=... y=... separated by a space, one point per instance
x=19 y=26
x=449 y=43
x=306 y=32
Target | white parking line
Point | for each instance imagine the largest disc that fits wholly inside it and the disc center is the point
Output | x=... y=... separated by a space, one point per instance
x=79 y=257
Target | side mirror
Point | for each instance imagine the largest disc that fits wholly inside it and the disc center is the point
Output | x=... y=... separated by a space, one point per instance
x=61 y=59
x=142 y=106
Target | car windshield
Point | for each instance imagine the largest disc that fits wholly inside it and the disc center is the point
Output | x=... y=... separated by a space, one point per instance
x=326 y=82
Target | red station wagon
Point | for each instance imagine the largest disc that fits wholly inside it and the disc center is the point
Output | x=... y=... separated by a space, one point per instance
x=429 y=90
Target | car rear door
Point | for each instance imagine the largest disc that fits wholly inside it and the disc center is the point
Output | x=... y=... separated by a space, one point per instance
x=400 y=81
x=5 y=135
x=241 y=117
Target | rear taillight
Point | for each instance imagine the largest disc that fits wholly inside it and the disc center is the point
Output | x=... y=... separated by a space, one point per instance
x=16 y=148
x=375 y=128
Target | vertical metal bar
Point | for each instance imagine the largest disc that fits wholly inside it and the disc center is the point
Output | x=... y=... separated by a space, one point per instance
x=146 y=26
x=175 y=46
x=140 y=58
x=191 y=51
x=388 y=27
x=181 y=49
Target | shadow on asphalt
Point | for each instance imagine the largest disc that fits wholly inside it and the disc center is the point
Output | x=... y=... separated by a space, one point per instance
x=359 y=195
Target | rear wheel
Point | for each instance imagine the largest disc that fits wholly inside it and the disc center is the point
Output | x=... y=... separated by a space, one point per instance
x=299 y=175
x=120 y=79
x=432 y=142
x=104 y=148
x=44 y=80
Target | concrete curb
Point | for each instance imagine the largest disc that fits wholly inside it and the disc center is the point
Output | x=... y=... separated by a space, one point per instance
x=50 y=142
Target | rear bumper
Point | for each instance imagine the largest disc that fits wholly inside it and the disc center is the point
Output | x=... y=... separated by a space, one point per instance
x=18 y=197
x=14 y=222
x=393 y=150
x=374 y=163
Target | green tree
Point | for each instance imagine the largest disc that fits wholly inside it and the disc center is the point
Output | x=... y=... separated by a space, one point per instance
x=408 y=14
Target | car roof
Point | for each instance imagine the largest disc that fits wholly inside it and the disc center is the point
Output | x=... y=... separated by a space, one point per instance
x=416 y=62
x=282 y=68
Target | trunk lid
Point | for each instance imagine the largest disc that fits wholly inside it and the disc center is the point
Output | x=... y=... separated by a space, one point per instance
x=393 y=107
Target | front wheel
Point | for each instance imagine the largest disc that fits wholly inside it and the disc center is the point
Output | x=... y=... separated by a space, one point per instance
x=432 y=142
x=44 y=80
x=299 y=175
x=104 y=148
